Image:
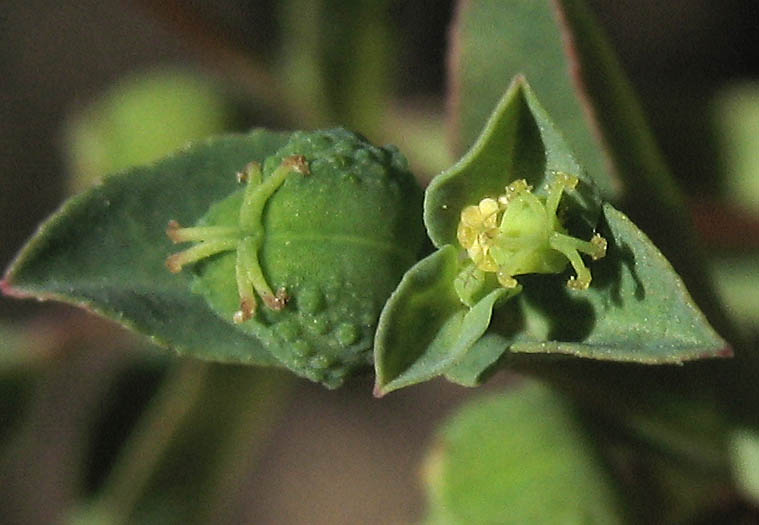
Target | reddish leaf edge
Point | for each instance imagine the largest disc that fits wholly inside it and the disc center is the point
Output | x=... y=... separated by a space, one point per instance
x=453 y=91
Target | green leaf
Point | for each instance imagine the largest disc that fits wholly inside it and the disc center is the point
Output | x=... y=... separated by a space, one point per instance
x=519 y=141
x=423 y=311
x=495 y=40
x=140 y=119
x=481 y=360
x=104 y=250
x=518 y=458
x=617 y=112
x=637 y=309
x=561 y=48
x=424 y=328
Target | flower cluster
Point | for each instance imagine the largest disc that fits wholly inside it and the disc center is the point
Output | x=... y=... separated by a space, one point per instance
x=519 y=232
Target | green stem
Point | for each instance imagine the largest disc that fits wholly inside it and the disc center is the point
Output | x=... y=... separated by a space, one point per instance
x=260 y=406
x=152 y=436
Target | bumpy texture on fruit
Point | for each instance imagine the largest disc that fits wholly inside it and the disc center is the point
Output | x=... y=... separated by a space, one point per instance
x=332 y=240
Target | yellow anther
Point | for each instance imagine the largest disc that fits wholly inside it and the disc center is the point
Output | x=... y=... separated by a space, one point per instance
x=566 y=180
x=578 y=283
x=489 y=209
x=506 y=280
x=599 y=244
x=516 y=188
x=466 y=234
x=471 y=216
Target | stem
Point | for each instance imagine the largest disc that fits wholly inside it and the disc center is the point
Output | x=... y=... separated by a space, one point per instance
x=261 y=403
x=149 y=440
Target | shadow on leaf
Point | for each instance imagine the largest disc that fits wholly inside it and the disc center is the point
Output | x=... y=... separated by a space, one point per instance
x=567 y=316
x=607 y=273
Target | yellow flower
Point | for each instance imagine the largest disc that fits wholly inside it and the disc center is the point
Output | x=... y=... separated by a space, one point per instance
x=519 y=232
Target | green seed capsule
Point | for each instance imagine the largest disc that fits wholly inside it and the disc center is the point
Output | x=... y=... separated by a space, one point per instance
x=306 y=253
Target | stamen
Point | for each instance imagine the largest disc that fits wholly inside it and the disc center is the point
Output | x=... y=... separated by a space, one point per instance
x=507 y=281
x=571 y=247
x=515 y=189
x=562 y=182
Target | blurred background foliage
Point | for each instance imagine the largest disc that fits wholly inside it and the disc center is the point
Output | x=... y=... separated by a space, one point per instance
x=91 y=87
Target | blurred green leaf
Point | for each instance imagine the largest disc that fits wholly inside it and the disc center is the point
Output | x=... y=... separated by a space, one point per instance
x=141 y=118
x=517 y=458
x=737 y=116
x=336 y=61
x=737 y=280
x=616 y=111
x=24 y=347
x=744 y=453
x=218 y=415
x=104 y=250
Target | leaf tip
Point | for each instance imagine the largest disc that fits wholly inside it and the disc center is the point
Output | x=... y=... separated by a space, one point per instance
x=726 y=352
x=7 y=289
x=378 y=392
